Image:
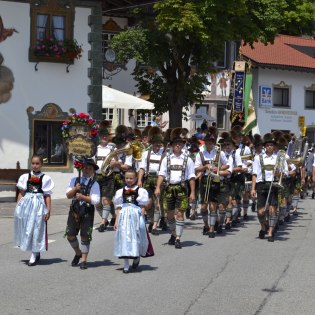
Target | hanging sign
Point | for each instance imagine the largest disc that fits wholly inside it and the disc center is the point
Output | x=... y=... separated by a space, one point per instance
x=239 y=81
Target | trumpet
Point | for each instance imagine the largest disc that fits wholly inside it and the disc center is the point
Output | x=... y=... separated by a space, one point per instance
x=247 y=157
x=134 y=148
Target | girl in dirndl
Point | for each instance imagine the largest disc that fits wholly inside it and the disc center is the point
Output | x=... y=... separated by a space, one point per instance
x=131 y=240
x=33 y=210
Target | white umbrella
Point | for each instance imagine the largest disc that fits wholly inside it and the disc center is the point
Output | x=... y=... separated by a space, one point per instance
x=201 y=116
x=112 y=98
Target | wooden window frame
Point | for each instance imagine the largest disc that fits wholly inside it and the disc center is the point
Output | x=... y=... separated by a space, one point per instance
x=50 y=8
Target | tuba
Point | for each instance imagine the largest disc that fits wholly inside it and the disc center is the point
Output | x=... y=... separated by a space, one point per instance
x=298 y=152
x=134 y=148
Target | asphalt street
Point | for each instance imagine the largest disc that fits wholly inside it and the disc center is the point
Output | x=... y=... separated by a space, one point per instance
x=235 y=273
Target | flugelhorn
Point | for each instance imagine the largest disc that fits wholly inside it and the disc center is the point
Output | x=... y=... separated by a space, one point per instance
x=134 y=148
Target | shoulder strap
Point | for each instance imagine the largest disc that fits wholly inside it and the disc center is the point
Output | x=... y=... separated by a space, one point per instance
x=262 y=165
x=202 y=157
x=148 y=161
x=184 y=169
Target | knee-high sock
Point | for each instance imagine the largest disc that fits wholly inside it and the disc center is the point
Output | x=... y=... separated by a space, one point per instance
x=282 y=212
x=229 y=212
x=273 y=220
x=205 y=218
x=235 y=212
x=106 y=212
x=74 y=243
x=295 y=201
x=172 y=225
x=213 y=218
x=85 y=247
x=156 y=215
x=245 y=205
x=179 y=227
x=222 y=214
x=126 y=264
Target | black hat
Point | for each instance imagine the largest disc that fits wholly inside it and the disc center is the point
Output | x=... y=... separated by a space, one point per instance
x=91 y=162
x=268 y=139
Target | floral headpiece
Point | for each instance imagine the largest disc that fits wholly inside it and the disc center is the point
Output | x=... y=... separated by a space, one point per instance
x=82 y=119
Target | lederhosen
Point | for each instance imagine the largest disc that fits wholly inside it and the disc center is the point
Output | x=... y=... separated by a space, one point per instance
x=150 y=178
x=81 y=215
x=214 y=185
x=175 y=195
x=237 y=182
x=106 y=182
x=264 y=186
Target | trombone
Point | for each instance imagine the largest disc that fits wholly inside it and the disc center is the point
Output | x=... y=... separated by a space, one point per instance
x=212 y=175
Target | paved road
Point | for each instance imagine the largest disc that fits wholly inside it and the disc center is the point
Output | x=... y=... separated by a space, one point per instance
x=235 y=273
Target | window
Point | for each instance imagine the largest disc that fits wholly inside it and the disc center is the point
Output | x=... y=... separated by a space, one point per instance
x=110 y=115
x=52 y=21
x=201 y=109
x=221 y=117
x=48 y=142
x=309 y=99
x=144 y=118
x=281 y=97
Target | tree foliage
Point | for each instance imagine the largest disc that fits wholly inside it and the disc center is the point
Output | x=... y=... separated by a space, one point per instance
x=183 y=35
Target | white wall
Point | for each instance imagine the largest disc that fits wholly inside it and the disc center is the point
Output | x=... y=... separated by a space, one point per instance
x=283 y=118
x=50 y=84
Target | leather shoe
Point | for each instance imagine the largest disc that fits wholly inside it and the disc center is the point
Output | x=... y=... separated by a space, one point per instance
x=171 y=241
x=125 y=270
x=135 y=263
x=32 y=264
x=76 y=260
x=211 y=235
x=112 y=221
x=262 y=234
x=155 y=232
x=102 y=228
x=178 y=245
x=270 y=239
x=228 y=226
x=205 y=230
x=83 y=265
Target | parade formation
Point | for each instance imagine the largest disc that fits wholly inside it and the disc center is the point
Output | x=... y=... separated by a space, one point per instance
x=144 y=182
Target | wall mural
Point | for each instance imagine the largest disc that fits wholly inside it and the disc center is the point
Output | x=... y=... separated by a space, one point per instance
x=6 y=75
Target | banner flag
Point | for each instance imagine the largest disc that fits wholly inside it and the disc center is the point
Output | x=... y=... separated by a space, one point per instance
x=251 y=121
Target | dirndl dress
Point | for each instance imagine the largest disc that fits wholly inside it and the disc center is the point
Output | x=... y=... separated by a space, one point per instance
x=131 y=237
x=30 y=229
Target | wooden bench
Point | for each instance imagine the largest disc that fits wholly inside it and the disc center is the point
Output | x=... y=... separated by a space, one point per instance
x=10 y=177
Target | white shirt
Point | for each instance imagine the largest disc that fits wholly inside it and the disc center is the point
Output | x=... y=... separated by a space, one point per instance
x=236 y=162
x=47 y=183
x=101 y=154
x=209 y=157
x=246 y=151
x=154 y=163
x=268 y=160
x=175 y=175
x=142 y=199
x=95 y=189
x=128 y=160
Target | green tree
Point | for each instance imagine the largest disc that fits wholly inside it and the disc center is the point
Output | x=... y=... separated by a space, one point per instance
x=182 y=35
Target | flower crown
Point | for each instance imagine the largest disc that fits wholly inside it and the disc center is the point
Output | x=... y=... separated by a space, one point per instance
x=82 y=119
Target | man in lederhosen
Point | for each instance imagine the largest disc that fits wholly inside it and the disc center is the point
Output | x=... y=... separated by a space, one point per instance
x=210 y=159
x=148 y=173
x=264 y=173
x=106 y=183
x=85 y=193
x=177 y=169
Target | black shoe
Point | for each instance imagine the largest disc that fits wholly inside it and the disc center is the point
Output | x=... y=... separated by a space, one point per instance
x=253 y=206
x=112 y=221
x=178 y=245
x=76 y=260
x=32 y=264
x=205 y=230
x=287 y=218
x=233 y=223
x=216 y=225
x=83 y=265
x=150 y=227
x=125 y=270
x=228 y=226
x=171 y=241
x=102 y=228
x=295 y=213
x=162 y=220
x=37 y=257
x=135 y=263
x=245 y=217
x=211 y=235
x=262 y=234
x=219 y=230
x=281 y=222
x=270 y=239
x=313 y=195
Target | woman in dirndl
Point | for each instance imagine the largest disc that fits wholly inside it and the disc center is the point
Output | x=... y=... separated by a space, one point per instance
x=33 y=210
x=131 y=240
